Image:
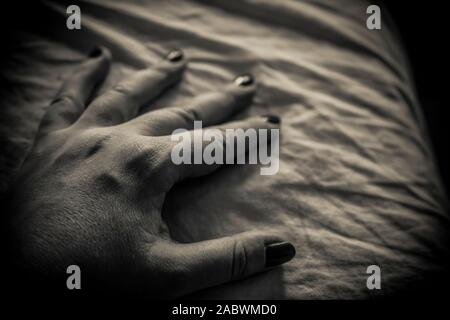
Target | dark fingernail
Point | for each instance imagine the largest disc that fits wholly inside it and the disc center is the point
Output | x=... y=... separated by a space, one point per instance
x=244 y=80
x=96 y=52
x=279 y=253
x=175 y=55
x=272 y=119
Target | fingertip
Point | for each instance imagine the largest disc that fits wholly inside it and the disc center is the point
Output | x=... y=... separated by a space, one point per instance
x=272 y=119
x=175 y=55
x=278 y=253
x=96 y=52
x=175 y=59
x=244 y=80
x=243 y=88
x=244 y=83
x=174 y=63
x=100 y=52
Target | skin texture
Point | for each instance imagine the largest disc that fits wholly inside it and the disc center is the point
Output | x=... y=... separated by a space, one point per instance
x=91 y=190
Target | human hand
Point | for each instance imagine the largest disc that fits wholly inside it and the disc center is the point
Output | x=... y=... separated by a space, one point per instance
x=91 y=190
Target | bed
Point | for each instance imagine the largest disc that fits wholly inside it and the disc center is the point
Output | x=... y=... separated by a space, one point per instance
x=357 y=182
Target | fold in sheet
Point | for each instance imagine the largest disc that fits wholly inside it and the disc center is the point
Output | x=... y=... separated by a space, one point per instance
x=357 y=184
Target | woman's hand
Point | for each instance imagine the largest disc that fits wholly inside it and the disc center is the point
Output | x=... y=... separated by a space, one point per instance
x=91 y=190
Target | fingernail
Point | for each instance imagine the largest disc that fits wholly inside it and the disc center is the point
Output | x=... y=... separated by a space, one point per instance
x=96 y=52
x=272 y=119
x=175 y=55
x=279 y=253
x=244 y=80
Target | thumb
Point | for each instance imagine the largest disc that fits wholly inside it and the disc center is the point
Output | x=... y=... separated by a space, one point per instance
x=209 y=263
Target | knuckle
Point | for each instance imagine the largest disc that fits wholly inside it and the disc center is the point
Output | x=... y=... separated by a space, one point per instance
x=189 y=115
x=101 y=113
x=64 y=107
x=160 y=71
x=96 y=142
x=66 y=99
x=124 y=91
x=159 y=77
x=240 y=260
x=90 y=142
x=168 y=70
x=81 y=145
x=66 y=103
x=109 y=181
x=148 y=162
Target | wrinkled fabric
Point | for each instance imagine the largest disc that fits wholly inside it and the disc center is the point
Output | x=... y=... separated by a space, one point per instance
x=357 y=183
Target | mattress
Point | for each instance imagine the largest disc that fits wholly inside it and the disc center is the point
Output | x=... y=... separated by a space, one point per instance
x=357 y=182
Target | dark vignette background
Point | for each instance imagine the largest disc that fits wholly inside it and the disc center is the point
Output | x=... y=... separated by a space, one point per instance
x=423 y=30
